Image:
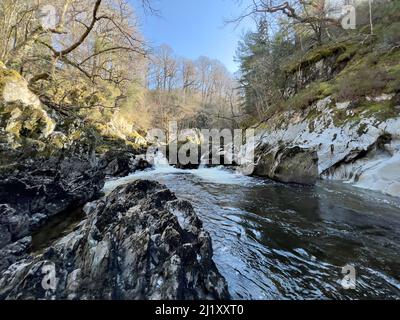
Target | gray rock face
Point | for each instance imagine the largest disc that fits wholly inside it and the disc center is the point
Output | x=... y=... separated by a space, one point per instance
x=364 y=152
x=14 y=252
x=44 y=187
x=321 y=70
x=42 y=171
x=140 y=242
x=33 y=190
x=288 y=164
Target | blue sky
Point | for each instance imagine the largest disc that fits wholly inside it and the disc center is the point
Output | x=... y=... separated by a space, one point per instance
x=196 y=27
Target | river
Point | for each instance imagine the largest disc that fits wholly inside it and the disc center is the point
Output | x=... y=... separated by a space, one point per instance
x=277 y=241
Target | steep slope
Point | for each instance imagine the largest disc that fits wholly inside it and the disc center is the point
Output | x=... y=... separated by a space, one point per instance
x=340 y=118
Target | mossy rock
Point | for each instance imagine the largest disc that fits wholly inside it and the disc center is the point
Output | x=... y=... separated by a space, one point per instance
x=306 y=97
x=22 y=116
x=381 y=111
x=7 y=76
x=314 y=55
x=362 y=129
x=364 y=109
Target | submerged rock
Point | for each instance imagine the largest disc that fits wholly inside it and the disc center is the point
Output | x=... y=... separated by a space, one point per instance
x=140 y=242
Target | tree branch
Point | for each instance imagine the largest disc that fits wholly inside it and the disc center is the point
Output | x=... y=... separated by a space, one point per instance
x=85 y=34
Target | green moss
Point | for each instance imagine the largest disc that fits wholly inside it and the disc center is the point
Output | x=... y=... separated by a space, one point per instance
x=370 y=75
x=394 y=73
x=314 y=56
x=350 y=51
x=313 y=114
x=6 y=76
x=340 y=117
x=380 y=110
x=363 y=129
x=325 y=89
x=309 y=95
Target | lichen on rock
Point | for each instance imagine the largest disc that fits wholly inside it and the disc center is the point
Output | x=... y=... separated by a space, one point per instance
x=21 y=113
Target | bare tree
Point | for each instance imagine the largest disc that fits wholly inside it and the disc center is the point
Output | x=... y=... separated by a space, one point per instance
x=164 y=68
x=97 y=38
x=313 y=14
x=181 y=89
x=203 y=65
x=188 y=75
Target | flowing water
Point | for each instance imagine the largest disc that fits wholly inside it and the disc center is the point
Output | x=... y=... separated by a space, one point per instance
x=276 y=241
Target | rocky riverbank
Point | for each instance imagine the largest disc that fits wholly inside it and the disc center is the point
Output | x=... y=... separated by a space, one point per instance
x=48 y=165
x=140 y=242
x=338 y=124
x=364 y=152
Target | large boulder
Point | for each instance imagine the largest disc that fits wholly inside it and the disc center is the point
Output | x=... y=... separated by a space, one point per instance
x=22 y=116
x=140 y=242
x=120 y=163
x=287 y=164
x=355 y=142
x=34 y=190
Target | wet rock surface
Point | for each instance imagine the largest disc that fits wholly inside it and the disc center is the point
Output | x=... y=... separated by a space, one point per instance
x=363 y=151
x=48 y=165
x=33 y=191
x=285 y=164
x=122 y=163
x=140 y=242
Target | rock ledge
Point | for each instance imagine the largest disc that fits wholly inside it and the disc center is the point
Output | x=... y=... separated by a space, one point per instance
x=140 y=242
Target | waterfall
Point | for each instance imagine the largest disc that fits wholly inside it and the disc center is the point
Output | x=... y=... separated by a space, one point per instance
x=160 y=160
x=204 y=160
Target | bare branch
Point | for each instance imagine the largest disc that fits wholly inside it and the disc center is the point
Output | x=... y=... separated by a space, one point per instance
x=85 y=34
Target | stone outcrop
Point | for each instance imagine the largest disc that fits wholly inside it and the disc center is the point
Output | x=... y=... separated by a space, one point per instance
x=322 y=65
x=47 y=165
x=22 y=117
x=122 y=163
x=291 y=165
x=33 y=190
x=340 y=109
x=140 y=242
x=362 y=149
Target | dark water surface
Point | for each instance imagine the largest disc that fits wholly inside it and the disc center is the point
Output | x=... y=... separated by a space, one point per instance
x=56 y=228
x=276 y=241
